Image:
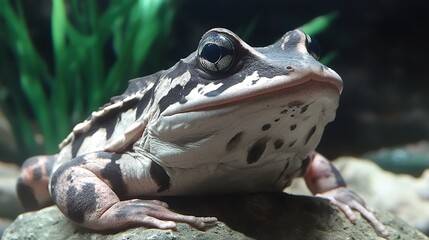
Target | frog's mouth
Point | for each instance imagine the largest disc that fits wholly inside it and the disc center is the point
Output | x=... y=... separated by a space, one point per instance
x=242 y=92
x=248 y=98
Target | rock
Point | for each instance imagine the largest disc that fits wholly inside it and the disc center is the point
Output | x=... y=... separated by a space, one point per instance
x=49 y=223
x=400 y=194
x=8 y=176
x=259 y=216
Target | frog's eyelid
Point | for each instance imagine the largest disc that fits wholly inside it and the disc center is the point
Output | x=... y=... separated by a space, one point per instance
x=216 y=53
x=239 y=42
x=312 y=46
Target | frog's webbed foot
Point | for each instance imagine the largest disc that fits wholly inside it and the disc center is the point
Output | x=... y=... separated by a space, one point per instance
x=347 y=200
x=150 y=213
x=324 y=180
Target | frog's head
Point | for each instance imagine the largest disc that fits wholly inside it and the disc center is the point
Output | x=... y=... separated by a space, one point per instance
x=229 y=95
x=225 y=70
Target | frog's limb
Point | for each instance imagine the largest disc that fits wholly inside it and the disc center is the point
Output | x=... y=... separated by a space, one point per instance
x=32 y=184
x=324 y=180
x=95 y=191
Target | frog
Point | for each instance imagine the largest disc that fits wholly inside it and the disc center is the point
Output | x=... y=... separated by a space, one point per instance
x=229 y=118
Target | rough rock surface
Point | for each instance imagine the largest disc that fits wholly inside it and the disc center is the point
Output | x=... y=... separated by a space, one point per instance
x=403 y=195
x=258 y=216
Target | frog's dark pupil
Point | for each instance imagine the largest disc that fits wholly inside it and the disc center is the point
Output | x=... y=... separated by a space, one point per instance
x=211 y=52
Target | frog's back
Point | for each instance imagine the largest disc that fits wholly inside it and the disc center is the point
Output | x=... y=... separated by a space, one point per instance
x=112 y=124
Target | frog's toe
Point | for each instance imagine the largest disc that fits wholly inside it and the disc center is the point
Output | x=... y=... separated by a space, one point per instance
x=346 y=209
x=370 y=216
x=164 y=214
x=154 y=222
x=347 y=201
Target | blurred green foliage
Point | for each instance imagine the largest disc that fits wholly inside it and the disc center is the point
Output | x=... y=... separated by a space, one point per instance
x=45 y=99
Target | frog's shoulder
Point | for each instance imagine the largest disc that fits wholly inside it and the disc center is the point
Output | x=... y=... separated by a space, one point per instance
x=138 y=90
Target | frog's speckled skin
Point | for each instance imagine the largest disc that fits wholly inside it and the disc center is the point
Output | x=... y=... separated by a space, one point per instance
x=228 y=118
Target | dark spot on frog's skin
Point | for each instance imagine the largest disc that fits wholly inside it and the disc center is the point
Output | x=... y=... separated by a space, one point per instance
x=176 y=94
x=136 y=85
x=77 y=143
x=110 y=127
x=70 y=177
x=304 y=108
x=130 y=103
x=81 y=201
x=127 y=210
x=161 y=178
x=233 y=143
x=255 y=152
x=112 y=173
x=266 y=127
x=284 y=169
x=134 y=206
x=61 y=170
x=109 y=119
x=310 y=134
x=278 y=143
x=224 y=86
x=292 y=143
x=277 y=119
x=284 y=111
x=144 y=101
x=338 y=178
x=292 y=127
x=173 y=96
x=304 y=165
x=295 y=104
x=37 y=173
x=26 y=196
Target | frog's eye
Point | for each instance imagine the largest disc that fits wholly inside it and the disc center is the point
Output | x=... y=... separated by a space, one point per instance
x=313 y=47
x=216 y=53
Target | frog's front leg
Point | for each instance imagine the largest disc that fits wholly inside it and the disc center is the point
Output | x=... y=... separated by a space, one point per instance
x=324 y=180
x=94 y=191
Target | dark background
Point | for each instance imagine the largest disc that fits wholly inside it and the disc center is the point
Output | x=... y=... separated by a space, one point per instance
x=381 y=53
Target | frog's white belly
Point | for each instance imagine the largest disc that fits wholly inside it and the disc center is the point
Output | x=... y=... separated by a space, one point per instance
x=225 y=178
x=254 y=145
